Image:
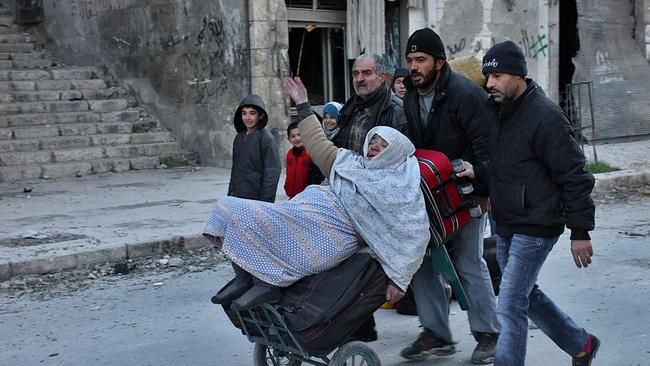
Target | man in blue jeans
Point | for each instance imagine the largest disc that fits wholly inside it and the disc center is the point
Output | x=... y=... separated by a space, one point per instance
x=538 y=185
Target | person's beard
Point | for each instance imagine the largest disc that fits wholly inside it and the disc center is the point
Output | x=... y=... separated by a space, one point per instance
x=427 y=80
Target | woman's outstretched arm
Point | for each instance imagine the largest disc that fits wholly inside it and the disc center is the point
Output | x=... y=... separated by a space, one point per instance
x=321 y=150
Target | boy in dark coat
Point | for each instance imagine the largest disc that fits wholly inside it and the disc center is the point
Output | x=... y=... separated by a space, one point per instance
x=256 y=163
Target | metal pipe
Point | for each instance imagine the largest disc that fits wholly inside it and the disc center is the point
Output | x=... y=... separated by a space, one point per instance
x=330 y=69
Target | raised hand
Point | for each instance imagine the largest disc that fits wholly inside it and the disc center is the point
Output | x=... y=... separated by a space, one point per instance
x=296 y=90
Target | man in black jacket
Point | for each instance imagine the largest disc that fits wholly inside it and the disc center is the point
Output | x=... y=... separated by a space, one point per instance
x=447 y=112
x=538 y=185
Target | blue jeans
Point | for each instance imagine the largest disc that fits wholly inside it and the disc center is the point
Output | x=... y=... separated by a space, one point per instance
x=520 y=258
x=431 y=300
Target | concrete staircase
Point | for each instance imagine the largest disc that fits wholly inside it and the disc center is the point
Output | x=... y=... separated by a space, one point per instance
x=58 y=121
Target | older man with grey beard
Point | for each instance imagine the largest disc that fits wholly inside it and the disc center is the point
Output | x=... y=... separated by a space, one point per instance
x=373 y=104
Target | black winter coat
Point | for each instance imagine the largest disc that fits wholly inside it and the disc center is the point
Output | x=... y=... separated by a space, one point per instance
x=459 y=120
x=537 y=178
x=256 y=165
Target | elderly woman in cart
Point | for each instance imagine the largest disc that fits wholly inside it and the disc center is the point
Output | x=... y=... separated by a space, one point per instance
x=373 y=199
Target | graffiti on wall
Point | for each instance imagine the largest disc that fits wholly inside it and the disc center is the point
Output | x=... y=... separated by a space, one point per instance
x=168 y=41
x=455 y=48
x=534 y=46
x=88 y=9
x=209 y=77
x=605 y=68
x=211 y=32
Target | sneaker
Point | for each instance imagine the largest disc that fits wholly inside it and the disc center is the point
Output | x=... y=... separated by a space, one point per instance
x=484 y=352
x=427 y=345
x=585 y=358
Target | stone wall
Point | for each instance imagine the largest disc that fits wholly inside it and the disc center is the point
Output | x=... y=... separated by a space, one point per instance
x=269 y=44
x=188 y=61
x=471 y=27
x=645 y=25
x=641 y=13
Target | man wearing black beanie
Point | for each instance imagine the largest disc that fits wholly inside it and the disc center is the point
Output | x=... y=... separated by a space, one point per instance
x=446 y=112
x=538 y=185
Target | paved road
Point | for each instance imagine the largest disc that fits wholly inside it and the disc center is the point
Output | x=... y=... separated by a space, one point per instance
x=153 y=318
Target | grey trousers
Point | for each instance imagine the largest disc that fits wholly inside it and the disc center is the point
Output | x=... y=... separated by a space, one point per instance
x=431 y=300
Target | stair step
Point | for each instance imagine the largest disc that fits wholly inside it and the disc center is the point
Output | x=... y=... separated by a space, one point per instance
x=23 y=120
x=17 y=47
x=77 y=168
x=36 y=119
x=16 y=173
x=6 y=21
x=106 y=105
x=60 y=121
x=81 y=141
x=71 y=129
x=52 y=84
x=44 y=107
x=16 y=38
x=27 y=64
x=42 y=157
x=27 y=85
x=51 y=74
x=23 y=56
x=60 y=95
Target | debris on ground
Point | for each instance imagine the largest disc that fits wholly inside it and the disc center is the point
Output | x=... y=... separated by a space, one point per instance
x=622 y=195
x=68 y=283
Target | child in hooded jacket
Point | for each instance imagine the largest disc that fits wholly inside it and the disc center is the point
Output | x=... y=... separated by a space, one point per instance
x=256 y=163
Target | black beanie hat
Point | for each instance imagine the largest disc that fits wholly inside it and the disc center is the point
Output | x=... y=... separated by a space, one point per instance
x=427 y=41
x=505 y=57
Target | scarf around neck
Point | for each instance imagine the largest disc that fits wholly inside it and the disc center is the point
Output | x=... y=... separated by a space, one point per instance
x=331 y=134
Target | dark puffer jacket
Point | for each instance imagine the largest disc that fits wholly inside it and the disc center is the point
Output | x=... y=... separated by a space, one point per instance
x=256 y=165
x=537 y=178
x=459 y=120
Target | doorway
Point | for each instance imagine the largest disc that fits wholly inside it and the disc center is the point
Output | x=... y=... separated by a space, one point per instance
x=317 y=55
x=569 y=45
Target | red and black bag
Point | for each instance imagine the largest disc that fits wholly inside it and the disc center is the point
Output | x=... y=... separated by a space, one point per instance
x=447 y=199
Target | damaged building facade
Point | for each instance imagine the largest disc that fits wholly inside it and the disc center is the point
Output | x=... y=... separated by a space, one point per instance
x=190 y=62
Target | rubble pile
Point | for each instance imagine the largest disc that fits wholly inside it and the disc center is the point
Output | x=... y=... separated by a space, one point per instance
x=68 y=283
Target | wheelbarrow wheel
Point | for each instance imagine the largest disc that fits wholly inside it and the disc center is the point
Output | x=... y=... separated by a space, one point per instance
x=264 y=356
x=355 y=353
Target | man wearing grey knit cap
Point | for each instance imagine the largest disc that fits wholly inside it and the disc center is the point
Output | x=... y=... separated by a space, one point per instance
x=538 y=185
x=447 y=112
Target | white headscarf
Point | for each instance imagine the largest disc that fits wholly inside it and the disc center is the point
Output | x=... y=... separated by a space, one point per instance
x=383 y=198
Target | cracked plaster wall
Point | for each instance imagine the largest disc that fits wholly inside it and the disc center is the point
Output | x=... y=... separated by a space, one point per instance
x=471 y=27
x=189 y=62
